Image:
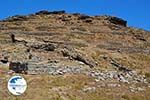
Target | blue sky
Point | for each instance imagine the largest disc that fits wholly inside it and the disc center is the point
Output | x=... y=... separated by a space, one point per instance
x=136 y=12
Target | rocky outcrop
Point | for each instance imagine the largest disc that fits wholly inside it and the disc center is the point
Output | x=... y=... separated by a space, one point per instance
x=83 y=17
x=18 y=67
x=17 y=18
x=140 y=37
x=45 y=47
x=72 y=54
x=44 y=12
x=119 y=66
x=117 y=21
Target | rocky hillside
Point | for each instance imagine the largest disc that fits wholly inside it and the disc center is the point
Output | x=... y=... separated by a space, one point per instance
x=75 y=57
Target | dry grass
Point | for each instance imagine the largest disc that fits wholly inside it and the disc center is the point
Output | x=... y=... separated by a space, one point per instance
x=86 y=38
x=68 y=87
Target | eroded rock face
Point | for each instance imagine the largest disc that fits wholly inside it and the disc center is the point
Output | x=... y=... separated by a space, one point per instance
x=18 y=67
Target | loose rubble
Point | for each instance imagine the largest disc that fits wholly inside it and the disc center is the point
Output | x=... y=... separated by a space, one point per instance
x=128 y=77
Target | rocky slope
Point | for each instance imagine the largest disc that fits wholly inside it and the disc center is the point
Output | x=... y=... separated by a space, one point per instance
x=99 y=53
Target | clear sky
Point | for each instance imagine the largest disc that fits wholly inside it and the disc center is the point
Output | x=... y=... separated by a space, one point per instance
x=136 y=12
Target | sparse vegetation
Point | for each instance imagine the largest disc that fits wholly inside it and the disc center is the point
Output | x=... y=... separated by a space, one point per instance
x=95 y=40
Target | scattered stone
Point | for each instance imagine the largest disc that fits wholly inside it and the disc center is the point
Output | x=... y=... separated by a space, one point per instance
x=51 y=70
x=80 y=62
x=113 y=85
x=101 y=78
x=123 y=77
x=132 y=89
x=136 y=89
x=140 y=89
x=89 y=89
x=97 y=80
x=10 y=72
x=35 y=59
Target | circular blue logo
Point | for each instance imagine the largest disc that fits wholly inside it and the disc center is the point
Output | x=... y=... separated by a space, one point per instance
x=17 y=85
